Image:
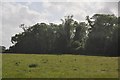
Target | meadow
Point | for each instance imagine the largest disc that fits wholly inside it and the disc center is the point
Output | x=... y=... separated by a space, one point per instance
x=58 y=66
x=0 y=65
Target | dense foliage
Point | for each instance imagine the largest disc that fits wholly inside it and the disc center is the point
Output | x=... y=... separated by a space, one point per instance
x=97 y=36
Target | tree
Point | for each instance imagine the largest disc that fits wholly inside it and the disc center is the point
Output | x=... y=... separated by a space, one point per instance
x=2 y=49
x=100 y=36
x=64 y=35
x=80 y=37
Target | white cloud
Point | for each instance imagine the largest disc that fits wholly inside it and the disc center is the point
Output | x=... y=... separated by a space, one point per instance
x=60 y=0
x=15 y=14
x=79 y=9
x=0 y=23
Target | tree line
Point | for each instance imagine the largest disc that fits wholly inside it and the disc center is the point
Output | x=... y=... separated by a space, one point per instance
x=98 y=35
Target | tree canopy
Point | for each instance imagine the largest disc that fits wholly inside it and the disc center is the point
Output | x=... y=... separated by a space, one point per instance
x=97 y=36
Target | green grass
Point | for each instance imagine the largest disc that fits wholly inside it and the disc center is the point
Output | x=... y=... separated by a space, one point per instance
x=58 y=66
x=0 y=65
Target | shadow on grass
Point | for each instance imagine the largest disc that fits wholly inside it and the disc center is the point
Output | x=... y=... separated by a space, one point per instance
x=83 y=54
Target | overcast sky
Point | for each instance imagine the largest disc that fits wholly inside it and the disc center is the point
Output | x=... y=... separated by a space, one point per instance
x=29 y=13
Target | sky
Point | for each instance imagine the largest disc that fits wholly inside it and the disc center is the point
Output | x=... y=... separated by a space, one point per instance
x=14 y=13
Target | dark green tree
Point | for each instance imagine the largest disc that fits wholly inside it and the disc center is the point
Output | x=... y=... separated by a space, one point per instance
x=99 y=36
x=101 y=32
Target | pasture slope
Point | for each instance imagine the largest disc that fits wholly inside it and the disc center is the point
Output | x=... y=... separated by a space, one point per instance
x=58 y=66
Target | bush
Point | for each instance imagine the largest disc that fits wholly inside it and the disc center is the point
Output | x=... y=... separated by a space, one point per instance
x=33 y=65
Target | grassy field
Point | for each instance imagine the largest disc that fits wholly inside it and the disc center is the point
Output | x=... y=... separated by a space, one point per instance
x=0 y=65
x=58 y=66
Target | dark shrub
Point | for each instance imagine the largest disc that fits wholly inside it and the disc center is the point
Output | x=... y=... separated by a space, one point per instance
x=33 y=65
